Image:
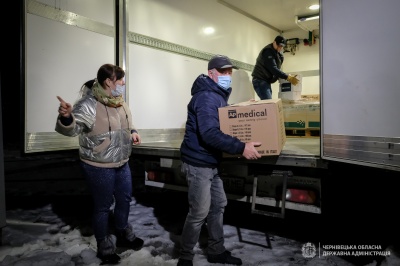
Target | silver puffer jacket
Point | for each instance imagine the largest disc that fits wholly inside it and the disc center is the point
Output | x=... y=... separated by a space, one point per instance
x=104 y=132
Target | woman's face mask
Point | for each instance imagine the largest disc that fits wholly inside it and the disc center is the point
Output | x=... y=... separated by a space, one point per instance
x=119 y=90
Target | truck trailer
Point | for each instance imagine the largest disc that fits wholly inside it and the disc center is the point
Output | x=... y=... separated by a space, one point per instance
x=347 y=63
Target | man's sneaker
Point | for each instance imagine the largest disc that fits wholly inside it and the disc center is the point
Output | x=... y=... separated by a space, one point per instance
x=183 y=262
x=224 y=258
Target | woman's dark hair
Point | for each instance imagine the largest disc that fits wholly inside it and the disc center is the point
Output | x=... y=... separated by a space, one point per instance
x=106 y=71
x=109 y=71
x=89 y=83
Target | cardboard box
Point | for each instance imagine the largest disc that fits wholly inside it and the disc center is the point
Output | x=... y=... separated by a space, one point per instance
x=286 y=86
x=314 y=116
x=310 y=98
x=289 y=95
x=301 y=115
x=260 y=121
x=304 y=98
x=289 y=92
x=295 y=116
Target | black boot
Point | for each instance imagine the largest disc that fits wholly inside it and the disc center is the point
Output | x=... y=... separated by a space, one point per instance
x=106 y=251
x=183 y=262
x=224 y=258
x=127 y=238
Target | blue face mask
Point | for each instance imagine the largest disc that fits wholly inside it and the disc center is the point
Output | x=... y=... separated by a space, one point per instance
x=224 y=82
x=119 y=90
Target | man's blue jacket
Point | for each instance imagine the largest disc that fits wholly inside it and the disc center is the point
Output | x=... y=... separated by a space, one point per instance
x=204 y=142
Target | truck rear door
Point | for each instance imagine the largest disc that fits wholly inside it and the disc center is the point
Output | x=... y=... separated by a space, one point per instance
x=360 y=82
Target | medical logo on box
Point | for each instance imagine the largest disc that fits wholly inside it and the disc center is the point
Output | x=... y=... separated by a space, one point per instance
x=253 y=113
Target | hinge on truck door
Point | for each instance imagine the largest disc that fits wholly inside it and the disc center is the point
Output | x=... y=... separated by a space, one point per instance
x=280 y=213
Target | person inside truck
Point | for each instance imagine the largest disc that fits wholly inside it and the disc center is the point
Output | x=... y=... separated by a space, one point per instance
x=267 y=69
x=103 y=121
x=201 y=152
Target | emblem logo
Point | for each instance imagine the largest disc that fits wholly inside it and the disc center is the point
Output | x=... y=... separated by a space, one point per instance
x=308 y=250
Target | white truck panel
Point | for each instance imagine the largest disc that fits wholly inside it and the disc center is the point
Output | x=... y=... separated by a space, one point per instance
x=361 y=88
x=360 y=85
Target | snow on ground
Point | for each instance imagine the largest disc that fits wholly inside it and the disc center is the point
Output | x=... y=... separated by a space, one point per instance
x=58 y=233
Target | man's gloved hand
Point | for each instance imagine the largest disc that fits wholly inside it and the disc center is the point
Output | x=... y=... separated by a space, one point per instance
x=292 y=79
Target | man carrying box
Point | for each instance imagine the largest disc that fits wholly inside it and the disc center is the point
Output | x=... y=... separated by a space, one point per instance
x=201 y=153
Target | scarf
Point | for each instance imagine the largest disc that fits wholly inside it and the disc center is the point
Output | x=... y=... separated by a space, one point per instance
x=101 y=96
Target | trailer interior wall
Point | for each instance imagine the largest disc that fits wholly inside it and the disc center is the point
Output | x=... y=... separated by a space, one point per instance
x=305 y=60
x=360 y=84
x=160 y=80
x=66 y=43
x=175 y=50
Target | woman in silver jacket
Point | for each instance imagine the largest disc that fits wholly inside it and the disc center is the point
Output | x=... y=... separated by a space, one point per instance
x=103 y=122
